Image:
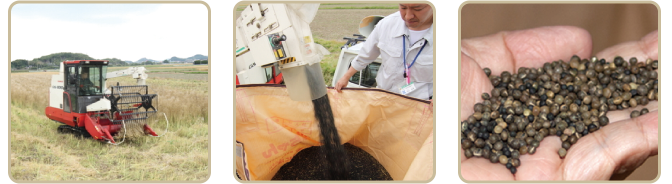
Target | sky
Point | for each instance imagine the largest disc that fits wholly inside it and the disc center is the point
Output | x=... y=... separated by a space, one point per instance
x=123 y=31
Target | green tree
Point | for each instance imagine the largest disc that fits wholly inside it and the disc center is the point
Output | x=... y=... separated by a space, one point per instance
x=166 y=61
x=19 y=64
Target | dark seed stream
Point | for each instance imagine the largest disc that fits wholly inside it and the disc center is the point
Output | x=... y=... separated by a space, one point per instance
x=332 y=150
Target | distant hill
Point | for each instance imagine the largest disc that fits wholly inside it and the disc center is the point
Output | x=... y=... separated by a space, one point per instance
x=59 y=57
x=177 y=59
x=53 y=60
x=116 y=61
x=189 y=59
x=145 y=59
x=198 y=57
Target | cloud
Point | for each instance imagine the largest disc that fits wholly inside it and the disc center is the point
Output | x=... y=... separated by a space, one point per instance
x=167 y=30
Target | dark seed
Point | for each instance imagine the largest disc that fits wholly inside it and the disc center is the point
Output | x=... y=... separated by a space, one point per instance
x=566 y=145
x=503 y=159
x=515 y=154
x=485 y=96
x=619 y=61
x=494 y=158
x=550 y=116
x=513 y=170
x=604 y=121
x=532 y=150
x=515 y=162
x=644 y=111
x=562 y=152
x=466 y=144
x=487 y=71
x=523 y=150
x=592 y=128
x=573 y=139
x=635 y=114
x=478 y=152
x=479 y=143
x=641 y=90
x=498 y=146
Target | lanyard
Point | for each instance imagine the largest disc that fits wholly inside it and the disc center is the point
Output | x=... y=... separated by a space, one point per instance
x=407 y=73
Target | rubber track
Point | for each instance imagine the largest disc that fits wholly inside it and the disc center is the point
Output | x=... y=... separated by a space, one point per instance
x=77 y=131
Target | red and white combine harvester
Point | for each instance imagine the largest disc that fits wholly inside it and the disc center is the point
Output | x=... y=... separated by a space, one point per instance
x=79 y=98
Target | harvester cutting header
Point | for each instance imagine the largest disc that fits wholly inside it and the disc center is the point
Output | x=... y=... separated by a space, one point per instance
x=79 y=98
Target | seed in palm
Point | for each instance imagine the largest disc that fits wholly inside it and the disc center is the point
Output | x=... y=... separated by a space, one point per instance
x=566 y=99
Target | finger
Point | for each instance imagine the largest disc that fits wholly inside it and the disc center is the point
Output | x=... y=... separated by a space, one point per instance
x=473 y=83
x=643 y=49
x=508 y=50
x=482 y=169
x=620 y=115
x=614 y=148
x=543 y=164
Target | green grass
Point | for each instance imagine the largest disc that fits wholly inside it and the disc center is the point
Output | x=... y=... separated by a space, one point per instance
x=329 y=62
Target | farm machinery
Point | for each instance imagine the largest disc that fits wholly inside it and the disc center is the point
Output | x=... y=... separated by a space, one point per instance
x=274 y=44
x=79 y=99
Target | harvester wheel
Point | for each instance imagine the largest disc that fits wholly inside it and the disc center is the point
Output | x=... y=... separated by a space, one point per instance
x=63 y=130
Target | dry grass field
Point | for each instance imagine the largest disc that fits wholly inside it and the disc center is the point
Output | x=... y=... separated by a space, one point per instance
x=39 y=153
x=334 y=24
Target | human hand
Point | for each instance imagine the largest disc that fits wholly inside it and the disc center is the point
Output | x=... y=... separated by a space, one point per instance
x=341 y=83
x=619 y=147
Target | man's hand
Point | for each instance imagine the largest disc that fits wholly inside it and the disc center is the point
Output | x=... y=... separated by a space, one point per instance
x=343 y=81
x=621 y=146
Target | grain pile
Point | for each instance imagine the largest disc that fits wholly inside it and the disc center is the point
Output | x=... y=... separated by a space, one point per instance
x=308 y=164
x=565 y=99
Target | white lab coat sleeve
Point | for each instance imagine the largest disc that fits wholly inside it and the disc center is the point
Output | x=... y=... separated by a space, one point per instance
x=369 y=51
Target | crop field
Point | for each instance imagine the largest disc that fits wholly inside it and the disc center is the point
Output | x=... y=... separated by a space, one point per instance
x=39 y=153
x=186 y=72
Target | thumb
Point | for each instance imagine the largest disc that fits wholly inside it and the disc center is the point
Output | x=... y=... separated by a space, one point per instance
x=614 y=149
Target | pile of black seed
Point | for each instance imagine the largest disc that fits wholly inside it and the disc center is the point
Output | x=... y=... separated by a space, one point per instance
x=308 y=165
x=566 y=99
x=331 y=151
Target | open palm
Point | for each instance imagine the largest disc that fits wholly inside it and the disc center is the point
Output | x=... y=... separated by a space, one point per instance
x=617 y=148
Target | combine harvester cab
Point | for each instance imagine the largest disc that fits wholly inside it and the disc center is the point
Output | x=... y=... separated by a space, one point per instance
x=78 y=98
